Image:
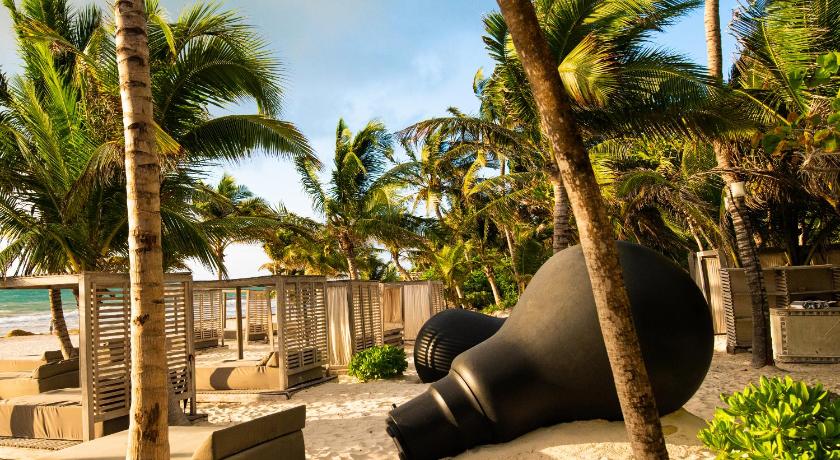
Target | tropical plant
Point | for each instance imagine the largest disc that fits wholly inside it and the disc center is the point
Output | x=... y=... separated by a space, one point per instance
x=380 y=362
x=779 y=418
x=597 y=241
x=62 y=139
x=231 y=204
x=358 y=202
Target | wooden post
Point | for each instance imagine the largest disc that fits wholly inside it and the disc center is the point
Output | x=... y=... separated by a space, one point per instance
x=223 y=308
x=270 y=318
x=240 y=347
x=282 y=357
x=85 y=369
x=190 y=336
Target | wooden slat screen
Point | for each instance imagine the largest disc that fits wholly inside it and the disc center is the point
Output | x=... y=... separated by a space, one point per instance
x=438 y=302
x=109 y=346
x=109 y=353
x=367 y=314
x=305 y=326
x=257 y=307
x=178 y=349
x=207 y=311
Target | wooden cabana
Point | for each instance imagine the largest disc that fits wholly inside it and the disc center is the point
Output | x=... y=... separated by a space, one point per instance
x=410 y=304
x=300 y=326
x=354 y=316
x=101 y=404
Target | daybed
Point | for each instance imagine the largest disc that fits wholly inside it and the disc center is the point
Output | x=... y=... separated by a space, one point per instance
x=301 y=343
x=274 y=436
x=246 y=374
x=45 y=377
x=55 y=414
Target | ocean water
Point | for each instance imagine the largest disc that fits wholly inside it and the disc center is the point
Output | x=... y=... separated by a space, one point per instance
x=29 y=309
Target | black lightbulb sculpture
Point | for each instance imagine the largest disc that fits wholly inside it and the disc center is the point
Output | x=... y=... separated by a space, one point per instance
x=548 y=364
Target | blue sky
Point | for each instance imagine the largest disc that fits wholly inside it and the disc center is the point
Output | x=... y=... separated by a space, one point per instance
x=398 y=61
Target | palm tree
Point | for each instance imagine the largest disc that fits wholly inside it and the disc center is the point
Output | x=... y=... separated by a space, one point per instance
x=148 y=429
x=357 y=204
x=780 y=44
x=225 y=202
x=559 y=122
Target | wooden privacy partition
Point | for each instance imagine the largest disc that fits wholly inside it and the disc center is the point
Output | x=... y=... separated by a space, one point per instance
x=104 y=340
x=419 y=301
x=300 y=324
x=354 y=313
x=783 y=285
x=208 y=318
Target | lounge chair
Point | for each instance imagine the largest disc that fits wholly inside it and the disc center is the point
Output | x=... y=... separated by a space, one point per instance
x=45 y=377
x=55 y=414
x=240 y=375
x=274 y=436
x=22 y=365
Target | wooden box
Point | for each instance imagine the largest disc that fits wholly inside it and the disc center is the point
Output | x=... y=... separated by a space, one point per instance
x=805 y=336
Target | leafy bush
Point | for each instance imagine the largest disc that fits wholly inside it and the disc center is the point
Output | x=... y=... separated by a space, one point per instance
x=779 y=419
x=380 y=362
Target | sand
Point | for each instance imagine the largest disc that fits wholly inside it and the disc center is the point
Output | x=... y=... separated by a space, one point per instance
x=345 y=419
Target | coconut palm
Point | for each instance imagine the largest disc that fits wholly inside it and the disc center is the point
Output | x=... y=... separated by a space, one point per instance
x=358 y=201
x=228 y=202
x=779 y=86
x=597 y=241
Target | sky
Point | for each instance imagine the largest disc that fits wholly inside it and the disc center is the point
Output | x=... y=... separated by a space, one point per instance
x=396 y=61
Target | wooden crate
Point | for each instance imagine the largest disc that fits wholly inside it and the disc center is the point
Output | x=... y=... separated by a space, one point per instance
x=783 y=285
x=805 y=336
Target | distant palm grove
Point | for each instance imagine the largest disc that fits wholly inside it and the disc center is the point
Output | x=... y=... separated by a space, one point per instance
x=473 y=199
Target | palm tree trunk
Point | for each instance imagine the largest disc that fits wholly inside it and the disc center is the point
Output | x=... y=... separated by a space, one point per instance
x=514 y=259
x=59 y=325
x=747 y=252
x=560 y=239
x=460 y=293
x=596 y=238
x=395 y=256
x=349 y=254
x=748 y=255
x=220 y=255
x=714 y=52
x=148 y=435
x=491 y=278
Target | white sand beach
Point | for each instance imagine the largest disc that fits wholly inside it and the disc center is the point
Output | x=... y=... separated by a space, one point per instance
x=346 y=418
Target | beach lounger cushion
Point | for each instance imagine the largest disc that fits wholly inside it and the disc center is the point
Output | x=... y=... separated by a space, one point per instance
x=274 y=436
x=52 y=415
x=237 y=375
x=270 y=360
x=46 y=377
x=21 y=365
x=243 y=437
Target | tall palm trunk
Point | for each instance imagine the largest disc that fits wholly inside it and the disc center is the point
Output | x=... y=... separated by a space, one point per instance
x=395 y=256
x=747 y=252
x=59 y=325
x=349 y=250
x=714 y=53
x=560 y=237
x=514 y=259
x=220 y=254
x=148 y=432
x=597 y=240
x=494 y=286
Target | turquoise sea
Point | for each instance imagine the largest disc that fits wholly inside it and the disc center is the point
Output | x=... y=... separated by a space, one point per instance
x=29 y=309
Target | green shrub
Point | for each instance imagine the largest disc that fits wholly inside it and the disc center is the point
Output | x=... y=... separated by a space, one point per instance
x=381 y=362
x=779 y=419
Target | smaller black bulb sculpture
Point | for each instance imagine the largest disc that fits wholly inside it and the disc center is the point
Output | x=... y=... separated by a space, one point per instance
x=445 y=336
x=548 y=364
